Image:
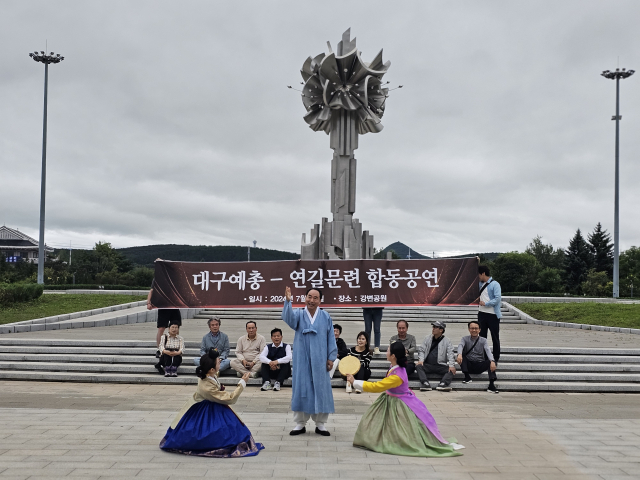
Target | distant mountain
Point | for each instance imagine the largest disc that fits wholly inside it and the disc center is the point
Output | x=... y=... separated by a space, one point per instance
x=201 y=253
x=402 y=250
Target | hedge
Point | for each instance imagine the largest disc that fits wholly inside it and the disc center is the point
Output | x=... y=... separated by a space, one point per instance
x=94 y=287
x=19 y=292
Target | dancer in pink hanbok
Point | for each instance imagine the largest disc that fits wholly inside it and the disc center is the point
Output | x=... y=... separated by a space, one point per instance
x=398 y=423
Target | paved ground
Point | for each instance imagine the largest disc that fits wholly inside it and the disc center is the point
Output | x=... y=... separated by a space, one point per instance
x=55 y=430
x=510 y=335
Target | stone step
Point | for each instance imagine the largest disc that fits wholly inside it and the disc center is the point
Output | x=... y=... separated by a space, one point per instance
x=479 y=384
x=376 y=373
x=505 y=366
x=147 y=348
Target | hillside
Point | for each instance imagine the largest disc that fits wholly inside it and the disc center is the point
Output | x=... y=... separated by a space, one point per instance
x=402 y=250
x=146 y=255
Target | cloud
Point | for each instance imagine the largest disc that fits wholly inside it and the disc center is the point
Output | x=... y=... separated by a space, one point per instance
x=171 y=123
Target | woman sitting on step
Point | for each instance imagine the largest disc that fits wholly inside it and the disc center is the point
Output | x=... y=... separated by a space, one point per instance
x=362 y=352
x=206 y=425
x=171 y=347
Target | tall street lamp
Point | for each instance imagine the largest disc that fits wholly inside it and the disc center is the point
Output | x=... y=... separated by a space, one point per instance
x=46 y=59
x=617 y=75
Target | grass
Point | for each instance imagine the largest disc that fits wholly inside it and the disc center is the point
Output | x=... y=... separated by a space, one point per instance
x=57 y=304
x=606 y=314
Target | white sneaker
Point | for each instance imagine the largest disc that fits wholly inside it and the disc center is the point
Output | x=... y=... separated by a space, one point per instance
x=266 y=386
x=254 y=375
x=376 y=351
x=276 y=386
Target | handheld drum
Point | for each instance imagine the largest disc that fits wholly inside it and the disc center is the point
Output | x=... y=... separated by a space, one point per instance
x=349 y=365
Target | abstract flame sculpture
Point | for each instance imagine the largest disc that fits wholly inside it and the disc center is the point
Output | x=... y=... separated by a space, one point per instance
x=344 y=97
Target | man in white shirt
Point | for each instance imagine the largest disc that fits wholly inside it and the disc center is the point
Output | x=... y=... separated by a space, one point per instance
x=276 y=362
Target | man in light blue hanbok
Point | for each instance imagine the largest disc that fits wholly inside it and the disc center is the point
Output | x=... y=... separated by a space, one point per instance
x=314 y=351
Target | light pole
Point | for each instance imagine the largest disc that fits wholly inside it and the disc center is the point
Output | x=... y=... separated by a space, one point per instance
x=46 y=59
x=617 y=75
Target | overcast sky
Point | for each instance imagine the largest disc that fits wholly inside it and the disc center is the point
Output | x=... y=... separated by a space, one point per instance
x=170 y=122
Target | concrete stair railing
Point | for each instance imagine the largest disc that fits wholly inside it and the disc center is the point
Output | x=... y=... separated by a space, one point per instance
x=520 y=369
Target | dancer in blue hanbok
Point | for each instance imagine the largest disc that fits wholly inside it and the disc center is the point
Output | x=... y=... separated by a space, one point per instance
x=314 y=351
x=206 y=425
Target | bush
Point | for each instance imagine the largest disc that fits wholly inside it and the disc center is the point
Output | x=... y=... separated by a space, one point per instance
x=19 y=292
x=597 y=284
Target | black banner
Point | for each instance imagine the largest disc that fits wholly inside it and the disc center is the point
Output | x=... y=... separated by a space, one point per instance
x=344 y=283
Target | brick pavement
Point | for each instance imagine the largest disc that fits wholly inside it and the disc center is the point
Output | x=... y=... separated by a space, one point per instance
x=59 y=430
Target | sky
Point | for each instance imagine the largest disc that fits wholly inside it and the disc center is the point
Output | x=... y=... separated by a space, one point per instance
x=171 y=122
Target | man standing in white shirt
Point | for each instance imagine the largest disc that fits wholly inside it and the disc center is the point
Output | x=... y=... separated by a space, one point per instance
x=276 y=362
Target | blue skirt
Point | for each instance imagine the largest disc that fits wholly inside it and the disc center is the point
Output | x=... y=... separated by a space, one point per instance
x=211 y=429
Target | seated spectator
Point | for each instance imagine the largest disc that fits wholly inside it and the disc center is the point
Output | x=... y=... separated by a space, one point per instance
x=217 y=340
x=343 y=350
x=409 y=342
x=362 y=352
x=475 y=356
x=248 y=351
x=435 y=355
x=171 y=347
x=276 y=362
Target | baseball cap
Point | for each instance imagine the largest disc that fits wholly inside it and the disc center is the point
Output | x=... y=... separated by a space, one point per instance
x=439 y=324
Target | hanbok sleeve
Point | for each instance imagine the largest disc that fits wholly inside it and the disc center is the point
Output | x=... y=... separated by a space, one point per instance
x=211 y=392
x=392 y=381
x=289 y=316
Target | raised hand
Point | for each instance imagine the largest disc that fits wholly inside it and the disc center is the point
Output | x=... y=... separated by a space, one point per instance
x=287 y=294
x=246 y=376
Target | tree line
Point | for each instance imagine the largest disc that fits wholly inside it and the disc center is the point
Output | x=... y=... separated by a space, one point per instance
x=585 y=267
x=103 y=265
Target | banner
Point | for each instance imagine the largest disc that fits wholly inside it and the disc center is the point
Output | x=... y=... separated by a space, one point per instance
x=344 y=283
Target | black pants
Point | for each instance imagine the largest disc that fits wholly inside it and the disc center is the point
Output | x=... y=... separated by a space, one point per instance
x=411 y=367
x=372 y=318
x=477 y=367
x=363 y=374
x=279 y=375
x=427 y=368
x=169 y=361
x=490 y=322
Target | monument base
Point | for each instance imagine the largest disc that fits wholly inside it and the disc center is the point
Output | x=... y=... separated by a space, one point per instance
x=337 y=240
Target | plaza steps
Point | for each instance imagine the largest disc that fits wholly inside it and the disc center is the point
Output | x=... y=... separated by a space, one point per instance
x=448 y=314
x=521 y=369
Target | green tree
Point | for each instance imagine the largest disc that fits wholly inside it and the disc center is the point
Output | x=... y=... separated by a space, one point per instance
x=550 y=280
x=545 y=254
x=602 y=250
x=577 y=261
x=516 y=272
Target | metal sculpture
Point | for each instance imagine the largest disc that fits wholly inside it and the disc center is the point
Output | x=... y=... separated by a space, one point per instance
x=344 y=97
